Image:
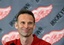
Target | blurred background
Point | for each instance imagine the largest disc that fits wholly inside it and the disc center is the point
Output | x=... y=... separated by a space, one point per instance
x=50 y=15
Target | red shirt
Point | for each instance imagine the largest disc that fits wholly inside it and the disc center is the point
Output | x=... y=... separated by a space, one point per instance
x=36 y=41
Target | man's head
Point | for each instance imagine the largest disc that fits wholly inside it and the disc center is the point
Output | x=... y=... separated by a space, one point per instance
x=23 y=12
x=25 y=23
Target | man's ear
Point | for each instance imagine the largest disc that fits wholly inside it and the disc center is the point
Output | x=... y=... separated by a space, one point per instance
x=16 y=25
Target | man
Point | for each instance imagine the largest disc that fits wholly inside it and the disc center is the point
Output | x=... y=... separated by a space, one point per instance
x=25 y=24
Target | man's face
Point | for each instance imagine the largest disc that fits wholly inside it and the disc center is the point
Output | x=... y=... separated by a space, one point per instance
x=25 y=25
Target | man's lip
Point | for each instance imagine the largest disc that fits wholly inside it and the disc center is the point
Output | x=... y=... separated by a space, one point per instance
x=25 y=30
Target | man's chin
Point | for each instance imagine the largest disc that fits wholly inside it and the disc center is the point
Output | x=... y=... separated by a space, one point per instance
x=26 y=35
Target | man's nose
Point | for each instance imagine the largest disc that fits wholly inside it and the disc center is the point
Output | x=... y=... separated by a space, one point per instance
x=26 y=25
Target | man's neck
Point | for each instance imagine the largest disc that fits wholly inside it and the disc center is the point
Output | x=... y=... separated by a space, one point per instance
x=26 y=40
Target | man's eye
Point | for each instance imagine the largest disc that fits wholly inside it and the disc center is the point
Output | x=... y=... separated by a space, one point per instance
x=30 y=23
x=22 y=22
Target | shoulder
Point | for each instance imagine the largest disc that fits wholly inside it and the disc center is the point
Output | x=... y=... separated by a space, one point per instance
x=39 y=41
x=43 y=42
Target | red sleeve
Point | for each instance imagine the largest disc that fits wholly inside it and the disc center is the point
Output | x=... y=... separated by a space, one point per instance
x=45 y=43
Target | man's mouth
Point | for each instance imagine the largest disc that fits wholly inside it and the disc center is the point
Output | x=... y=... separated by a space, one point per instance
x=26 y=30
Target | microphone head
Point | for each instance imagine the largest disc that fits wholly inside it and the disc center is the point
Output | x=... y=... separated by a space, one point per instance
x=12 y=44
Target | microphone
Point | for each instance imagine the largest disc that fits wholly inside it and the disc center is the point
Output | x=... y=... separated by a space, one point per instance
x=12 y=44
